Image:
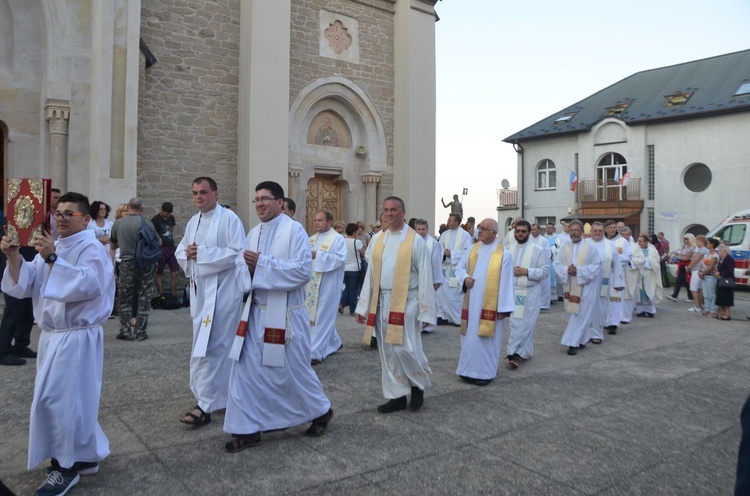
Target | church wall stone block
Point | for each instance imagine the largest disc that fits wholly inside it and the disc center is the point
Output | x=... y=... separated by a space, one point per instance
x=188 y=101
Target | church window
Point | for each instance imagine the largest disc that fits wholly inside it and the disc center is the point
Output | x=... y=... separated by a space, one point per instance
x=617 y=108
x=697 y=177
x=338 y=37
x=546 y=175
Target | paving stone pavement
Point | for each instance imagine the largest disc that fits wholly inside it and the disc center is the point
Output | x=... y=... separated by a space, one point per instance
x=652 y=411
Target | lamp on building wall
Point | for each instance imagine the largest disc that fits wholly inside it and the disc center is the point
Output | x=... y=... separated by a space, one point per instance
x=360 y=151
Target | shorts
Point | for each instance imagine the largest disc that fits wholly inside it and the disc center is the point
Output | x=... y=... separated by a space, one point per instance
x=695 y=281
x=168 y=258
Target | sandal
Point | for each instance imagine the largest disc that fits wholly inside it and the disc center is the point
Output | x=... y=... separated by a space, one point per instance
x=705 y=314
x=725 y=318
x=239 y=443
x=196 y=420
x=596 y=341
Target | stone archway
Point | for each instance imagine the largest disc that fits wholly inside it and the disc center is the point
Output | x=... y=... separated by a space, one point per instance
x=335 y=130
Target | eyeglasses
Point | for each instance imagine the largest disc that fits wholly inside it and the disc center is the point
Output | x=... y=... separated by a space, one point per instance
x=522 y=231
x=264 y=199
x=483 y=229
x=67 y=215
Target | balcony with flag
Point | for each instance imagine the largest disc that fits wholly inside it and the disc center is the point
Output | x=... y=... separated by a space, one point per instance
x=614 y=192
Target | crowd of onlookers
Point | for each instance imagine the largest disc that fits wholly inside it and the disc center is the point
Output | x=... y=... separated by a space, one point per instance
x=705 y=267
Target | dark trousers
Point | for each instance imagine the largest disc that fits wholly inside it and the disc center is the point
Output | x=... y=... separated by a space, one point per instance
x=351 y=290
x=664 y=274
x=18 y=319
x=681 y=282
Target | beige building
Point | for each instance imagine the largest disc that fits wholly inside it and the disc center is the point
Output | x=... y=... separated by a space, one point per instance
x=334 y=99
x=665 y=150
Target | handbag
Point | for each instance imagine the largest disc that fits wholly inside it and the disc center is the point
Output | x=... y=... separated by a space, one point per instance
x=725 y=282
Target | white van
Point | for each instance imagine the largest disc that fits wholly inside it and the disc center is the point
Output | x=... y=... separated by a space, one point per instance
x=735 y=230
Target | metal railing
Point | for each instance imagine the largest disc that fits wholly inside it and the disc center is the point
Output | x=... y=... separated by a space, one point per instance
x=609 y=190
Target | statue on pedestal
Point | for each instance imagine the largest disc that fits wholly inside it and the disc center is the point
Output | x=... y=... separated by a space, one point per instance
x=455 y=205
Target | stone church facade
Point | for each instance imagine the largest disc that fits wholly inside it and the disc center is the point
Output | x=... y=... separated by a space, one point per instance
x=334 y=99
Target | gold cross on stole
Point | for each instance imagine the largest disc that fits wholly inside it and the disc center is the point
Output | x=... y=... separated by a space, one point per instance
x=206 y=321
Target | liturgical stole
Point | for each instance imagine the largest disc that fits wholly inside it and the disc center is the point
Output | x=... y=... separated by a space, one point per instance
x=313 y=287
x=572 y=294
x=489 y=300
x=522 y=282
x=399 y=292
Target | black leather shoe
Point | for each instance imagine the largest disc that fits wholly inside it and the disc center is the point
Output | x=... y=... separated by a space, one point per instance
x=572 y=350
x=470 y=380
x=373 y=343
x=481 y=382
x=393 y=405
x=24 y=352
x=417 y=399
x=613 y=329
x=12 y=360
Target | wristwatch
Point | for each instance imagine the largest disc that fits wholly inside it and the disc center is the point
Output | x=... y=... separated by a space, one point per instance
x=51 y=258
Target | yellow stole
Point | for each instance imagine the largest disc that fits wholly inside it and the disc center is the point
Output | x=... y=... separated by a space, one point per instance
x=489 y=300
x=399 y=292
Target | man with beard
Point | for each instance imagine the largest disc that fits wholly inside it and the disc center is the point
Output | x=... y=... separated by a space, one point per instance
x=579 y=265
x=530 y=276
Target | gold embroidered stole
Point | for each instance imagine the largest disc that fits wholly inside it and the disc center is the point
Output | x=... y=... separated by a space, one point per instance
x=572 y=295
x=522 y=282
x=399 y=291
x=489 y=299
x=313 y=287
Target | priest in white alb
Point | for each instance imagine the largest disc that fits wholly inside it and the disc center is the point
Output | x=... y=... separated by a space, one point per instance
x=486 y=276
x=454 y=244
x=632 y=274
x=72 y=287
x=272 y=384
x=208 y=253
x=649 y=288
x=435 y=254
x=396 y=302
x=618 y=304
x=612 y=280
x=328 y=249
x=545 y=299
x=578 y=265
x=530 y=278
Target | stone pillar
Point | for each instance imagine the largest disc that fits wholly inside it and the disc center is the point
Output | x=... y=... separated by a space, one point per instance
x=371 y=181
x=293 y=189
x=263 y=127
x=414 y=106
x=57 y=113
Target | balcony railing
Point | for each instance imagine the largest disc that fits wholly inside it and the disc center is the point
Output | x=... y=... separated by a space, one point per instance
x=609 y=190
x=507 y=199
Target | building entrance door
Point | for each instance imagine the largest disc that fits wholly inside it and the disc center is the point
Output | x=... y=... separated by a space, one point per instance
x=323 y=193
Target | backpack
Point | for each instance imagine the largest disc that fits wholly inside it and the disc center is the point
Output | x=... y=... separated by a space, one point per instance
x=147 y=247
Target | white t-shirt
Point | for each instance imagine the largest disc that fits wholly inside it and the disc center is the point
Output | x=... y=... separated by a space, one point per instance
x=352 y=246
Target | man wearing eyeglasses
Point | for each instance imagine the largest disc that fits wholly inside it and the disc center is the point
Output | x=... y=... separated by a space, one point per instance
x=272 y=384
x=485 y=274
x=133 y=280
x=71 y=283
x=208 y=253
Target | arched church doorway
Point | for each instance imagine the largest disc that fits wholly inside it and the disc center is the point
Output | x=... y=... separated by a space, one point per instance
x=324 y=192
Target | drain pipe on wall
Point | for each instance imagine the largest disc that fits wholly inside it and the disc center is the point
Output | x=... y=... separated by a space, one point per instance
x=519 y=149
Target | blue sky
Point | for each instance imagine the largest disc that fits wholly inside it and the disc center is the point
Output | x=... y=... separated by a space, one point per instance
x=504 y=65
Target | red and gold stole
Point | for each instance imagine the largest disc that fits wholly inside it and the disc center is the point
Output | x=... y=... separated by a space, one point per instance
x=489 y=299
x=399 y=292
